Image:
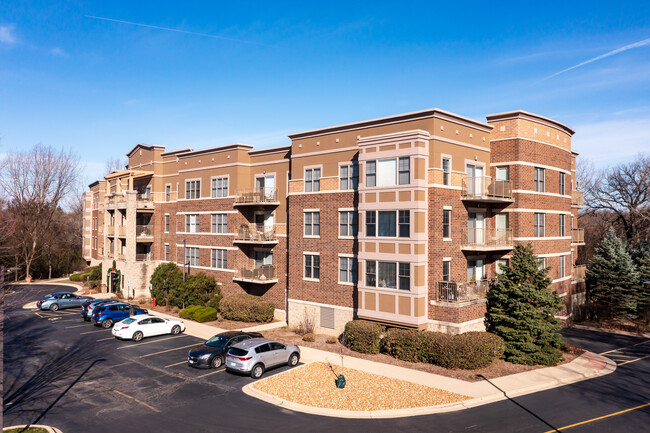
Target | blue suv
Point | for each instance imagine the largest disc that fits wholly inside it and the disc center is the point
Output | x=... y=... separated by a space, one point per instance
x=106 y=315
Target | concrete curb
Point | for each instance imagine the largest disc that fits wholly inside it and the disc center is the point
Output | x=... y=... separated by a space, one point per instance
x=580 y=363
x=50 y=284
x=613 y=331
x=48 y=428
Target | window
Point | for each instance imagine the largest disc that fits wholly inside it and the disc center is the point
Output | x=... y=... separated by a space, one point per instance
x=371 y=223
x=167 y=223
x=192 y=223
x=446 y=170
x=192 y=189
x=371 y=173
x=539 y=225
x=312 y=223
x=219 y=223
x=562 y=226
x=542 y=262
x=219 y=258
x=168 y=192
x=347 y=270
x=446 y=270
x=561 y=184
x=404 y=171
x=167 y=252
x=347 y=223
x=385 y=223
x=503 y=173
x=446 y=224
x=539 y=179
x=500 y=262
x=404 y=223
x=192 y=256
x=348 y=177
x=386 y=172
x=220 y=187
x=312 y=180
x=312 y=266
x=387 y=275
x=405 y=276
x=562 y=268
x=371 y=273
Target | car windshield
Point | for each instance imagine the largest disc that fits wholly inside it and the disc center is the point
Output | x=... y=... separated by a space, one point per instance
x=217 y=341
x=237 y=352
x=129 y=320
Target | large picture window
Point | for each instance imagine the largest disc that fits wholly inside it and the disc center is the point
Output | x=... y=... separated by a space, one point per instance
x=385 y=275
x=192 y=189
x=192 y=223
x=385 y=223
x=220 y=187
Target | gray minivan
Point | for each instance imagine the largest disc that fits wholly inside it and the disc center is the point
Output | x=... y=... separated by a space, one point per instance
x=256 y=355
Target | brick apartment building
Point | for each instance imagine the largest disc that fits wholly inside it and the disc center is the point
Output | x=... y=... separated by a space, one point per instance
x=402 y=219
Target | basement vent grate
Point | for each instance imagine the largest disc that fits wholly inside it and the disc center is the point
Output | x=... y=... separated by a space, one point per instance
x=327 y=317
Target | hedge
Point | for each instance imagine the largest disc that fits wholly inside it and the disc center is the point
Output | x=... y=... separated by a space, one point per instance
x=75 y=277
x=402 y=344
x=363 y=336
x=246 y=308
x=199 y=313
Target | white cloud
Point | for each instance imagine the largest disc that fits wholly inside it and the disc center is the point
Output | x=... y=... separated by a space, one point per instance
x=8 y=34
x=612 y=142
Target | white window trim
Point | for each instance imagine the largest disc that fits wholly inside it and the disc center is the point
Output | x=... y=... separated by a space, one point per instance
x=167 y=216
x=200 y=187
x=338 y=175
x=227 y=176
x=304 y=263
x=338 y=265
x=339 y=223
x=303 y=224
x=304 y=178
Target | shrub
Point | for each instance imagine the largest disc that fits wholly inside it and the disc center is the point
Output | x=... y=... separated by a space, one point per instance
x=330 y=340
x=95 y=273
x=307 y=325
x=165 y=278
x=199 y=313
x=197 y=289
x=363 y=336
x=75 y=277
x=309 y=337
x=402 y=344
x=246 y=308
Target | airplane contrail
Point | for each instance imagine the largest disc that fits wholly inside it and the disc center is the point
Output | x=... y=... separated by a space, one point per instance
x=602 y=56
x=206 y=35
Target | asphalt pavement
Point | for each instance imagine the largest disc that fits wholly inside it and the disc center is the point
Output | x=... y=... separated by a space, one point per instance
x=67 y=373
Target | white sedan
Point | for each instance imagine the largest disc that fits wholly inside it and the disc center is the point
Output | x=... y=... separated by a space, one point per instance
x=143 y=325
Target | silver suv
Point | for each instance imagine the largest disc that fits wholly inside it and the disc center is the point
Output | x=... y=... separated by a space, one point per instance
x=256 y=355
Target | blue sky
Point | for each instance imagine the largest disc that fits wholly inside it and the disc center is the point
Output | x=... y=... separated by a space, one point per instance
x=254 y=72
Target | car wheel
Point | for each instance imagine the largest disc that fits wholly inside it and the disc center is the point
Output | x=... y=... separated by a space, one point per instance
x=257 y=371
x=137 y=336
x=107 y=323
x=176 y=330
x=216 y=362
x=293 y=359
x=54 y=307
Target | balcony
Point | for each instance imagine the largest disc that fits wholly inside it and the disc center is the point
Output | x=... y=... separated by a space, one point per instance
x=486 y=239
x=110 y=231
x=120 y=257
x=577 y=199
x=448 y=291
x=254 y=234
x=144 y=231
x=256 y=275
x=143 y=257
x=577 y=236
x=579 y=272
x=121 y=231
x=485 y=190
x=257 y=197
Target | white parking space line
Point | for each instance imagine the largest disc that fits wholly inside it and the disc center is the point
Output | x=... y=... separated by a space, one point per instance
x=92 y=332
x=153 y=341
x=76 y=326
x=178 y=363
x=106 y=339
x=59 y=320
x=208 y=374
x=168 y=350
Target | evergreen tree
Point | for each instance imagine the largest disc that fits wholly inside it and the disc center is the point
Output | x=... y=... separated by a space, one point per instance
x=165 y=278
x=641 y=257
x=612 y=279
x=521 y=309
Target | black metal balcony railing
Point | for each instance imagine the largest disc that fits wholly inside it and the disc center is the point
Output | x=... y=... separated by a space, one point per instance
x=144 y=230
x=257 y=196
x=484 y=188
x=252 y=233
x=260 y=275
x=486 y=238
x=448 y=291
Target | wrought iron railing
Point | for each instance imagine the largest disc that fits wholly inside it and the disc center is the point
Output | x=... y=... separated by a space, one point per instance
x=255 y=233
x=257 y=196
x=259 y=274
x=449 y=291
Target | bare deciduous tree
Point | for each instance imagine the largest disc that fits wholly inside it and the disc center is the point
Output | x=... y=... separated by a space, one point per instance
x=624 y=191
x=114 y=164
x=34 y=183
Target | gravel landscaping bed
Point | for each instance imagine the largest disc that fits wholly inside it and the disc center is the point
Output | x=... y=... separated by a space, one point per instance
x=314 y=385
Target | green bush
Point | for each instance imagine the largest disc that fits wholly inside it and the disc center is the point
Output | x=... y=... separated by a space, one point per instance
x=246 y=308
x=309 y=337
x=198 y=289
x=330 y=340
x=199 y=313
x=404 y=344
x=95 y=273
x=75 y=277
x=363 y=336
x=165 y=277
